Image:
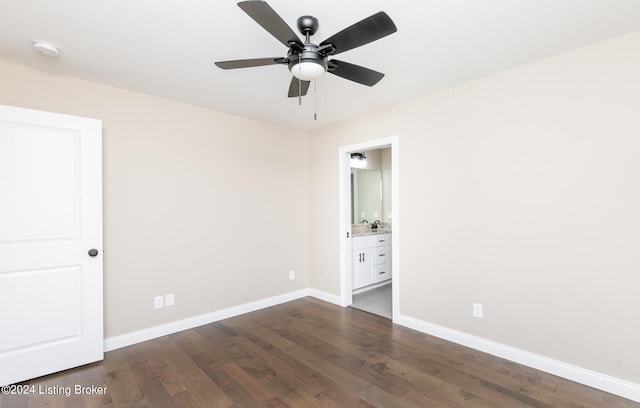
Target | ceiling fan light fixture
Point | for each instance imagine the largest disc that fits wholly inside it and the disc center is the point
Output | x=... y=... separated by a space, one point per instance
x=308 y=70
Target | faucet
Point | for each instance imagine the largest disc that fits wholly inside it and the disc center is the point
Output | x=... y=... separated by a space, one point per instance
x=376 y=224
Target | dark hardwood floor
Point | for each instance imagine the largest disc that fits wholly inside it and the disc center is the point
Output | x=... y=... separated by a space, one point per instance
x=307 y=353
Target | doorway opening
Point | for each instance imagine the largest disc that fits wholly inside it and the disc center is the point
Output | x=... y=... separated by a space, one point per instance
x=370 y=233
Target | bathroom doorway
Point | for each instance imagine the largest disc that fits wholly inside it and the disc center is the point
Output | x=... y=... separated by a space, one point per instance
x=369 y=251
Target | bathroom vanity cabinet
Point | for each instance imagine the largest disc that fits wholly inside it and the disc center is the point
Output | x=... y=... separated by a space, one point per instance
x=371 y=259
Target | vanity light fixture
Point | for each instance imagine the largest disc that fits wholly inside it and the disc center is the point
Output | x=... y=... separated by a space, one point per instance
x=358 y=160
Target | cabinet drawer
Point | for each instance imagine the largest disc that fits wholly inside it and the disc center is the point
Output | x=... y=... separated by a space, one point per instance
x=381 y=272
x=362 y=242
x=382 y=239
x=381 y=255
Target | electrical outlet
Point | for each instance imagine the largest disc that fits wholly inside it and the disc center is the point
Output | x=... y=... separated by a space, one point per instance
x=292 y=275
x=477 y=310
x=158 y=302
x=169 y=300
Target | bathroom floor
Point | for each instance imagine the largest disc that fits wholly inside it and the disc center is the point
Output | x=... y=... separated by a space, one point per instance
x=376 y=301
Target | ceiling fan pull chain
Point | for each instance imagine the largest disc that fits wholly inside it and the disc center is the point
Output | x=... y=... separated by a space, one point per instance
x=315 y=101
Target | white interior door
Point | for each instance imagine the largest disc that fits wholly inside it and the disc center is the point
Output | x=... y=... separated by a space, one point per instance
x=50 y=217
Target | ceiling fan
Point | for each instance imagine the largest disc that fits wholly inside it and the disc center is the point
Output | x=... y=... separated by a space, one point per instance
x=308 y=61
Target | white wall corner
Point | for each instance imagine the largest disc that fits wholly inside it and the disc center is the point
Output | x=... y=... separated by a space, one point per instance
x=327 y=297
x=612 y=385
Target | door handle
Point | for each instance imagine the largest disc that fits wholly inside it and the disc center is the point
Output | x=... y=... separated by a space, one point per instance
x=93 y=252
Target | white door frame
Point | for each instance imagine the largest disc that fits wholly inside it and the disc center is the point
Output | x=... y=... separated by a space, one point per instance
x=344 y=160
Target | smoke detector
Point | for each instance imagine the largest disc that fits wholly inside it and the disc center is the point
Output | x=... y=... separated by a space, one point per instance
x=46 y=48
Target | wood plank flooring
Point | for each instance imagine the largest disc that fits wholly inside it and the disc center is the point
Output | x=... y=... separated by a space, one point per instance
x=308 y=353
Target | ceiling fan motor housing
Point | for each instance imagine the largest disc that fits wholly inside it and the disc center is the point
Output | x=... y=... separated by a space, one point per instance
x=308 y=25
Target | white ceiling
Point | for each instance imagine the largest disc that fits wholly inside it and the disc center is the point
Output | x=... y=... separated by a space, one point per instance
x=167 y=48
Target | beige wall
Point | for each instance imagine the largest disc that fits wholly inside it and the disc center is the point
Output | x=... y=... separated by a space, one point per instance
x=520 y=191
x=198 y=203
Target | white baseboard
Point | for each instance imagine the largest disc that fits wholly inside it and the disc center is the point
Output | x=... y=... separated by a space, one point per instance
x=590 y=378
x=116 y=342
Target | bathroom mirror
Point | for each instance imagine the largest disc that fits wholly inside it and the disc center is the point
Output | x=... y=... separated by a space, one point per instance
x=366 y=195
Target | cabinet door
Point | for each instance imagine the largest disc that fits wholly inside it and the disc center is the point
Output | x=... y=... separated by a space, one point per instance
x=356 y=260
x=363 y=270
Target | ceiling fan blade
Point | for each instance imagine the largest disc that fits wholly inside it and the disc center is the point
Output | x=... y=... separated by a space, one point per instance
x=363 y=32
x=294 y=87
x=355 y=73
x=247 y=63
x=264 y=15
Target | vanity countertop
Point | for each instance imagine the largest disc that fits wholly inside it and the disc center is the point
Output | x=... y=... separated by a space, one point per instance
x=371 y=232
